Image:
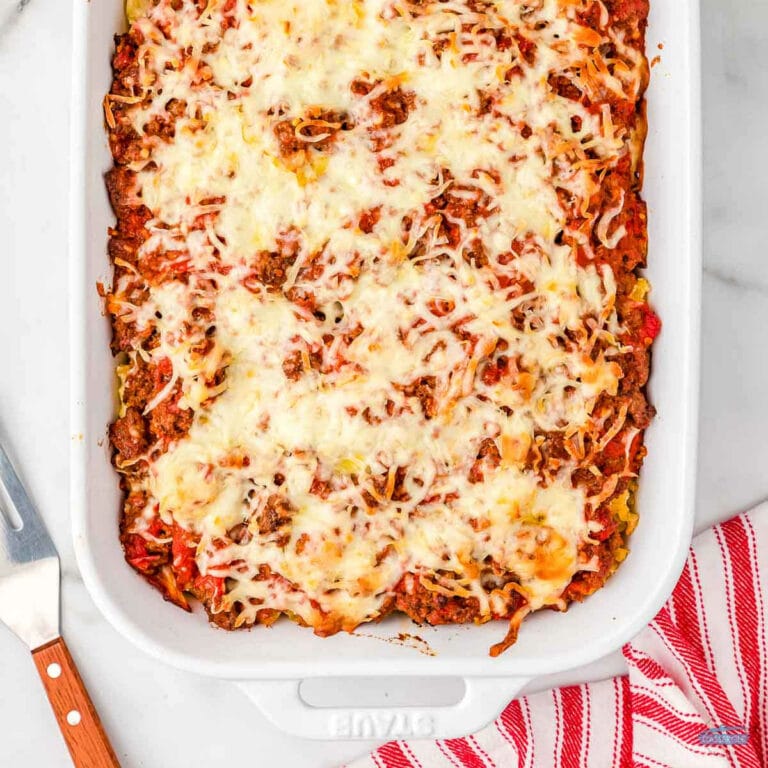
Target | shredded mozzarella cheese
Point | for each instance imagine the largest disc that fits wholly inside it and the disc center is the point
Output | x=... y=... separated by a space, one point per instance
x=390 y=304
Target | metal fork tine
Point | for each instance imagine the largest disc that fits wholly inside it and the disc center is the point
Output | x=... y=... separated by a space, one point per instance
x=33 y=530
x=15 y=490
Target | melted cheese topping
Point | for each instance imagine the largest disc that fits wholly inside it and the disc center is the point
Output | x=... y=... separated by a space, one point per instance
x=356 y=386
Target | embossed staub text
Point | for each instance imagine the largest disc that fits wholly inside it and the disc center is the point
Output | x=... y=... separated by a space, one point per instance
x=361 y=724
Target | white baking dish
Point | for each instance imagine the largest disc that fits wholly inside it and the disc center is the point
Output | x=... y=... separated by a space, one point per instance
x=283 y=655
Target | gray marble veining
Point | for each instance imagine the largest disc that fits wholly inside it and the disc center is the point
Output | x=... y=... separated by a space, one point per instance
x=759 y=285
x=10 y=13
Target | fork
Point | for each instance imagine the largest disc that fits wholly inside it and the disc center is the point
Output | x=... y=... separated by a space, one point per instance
x=29 y=606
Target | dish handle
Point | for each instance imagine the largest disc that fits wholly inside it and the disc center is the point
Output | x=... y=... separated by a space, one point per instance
x=484 y=698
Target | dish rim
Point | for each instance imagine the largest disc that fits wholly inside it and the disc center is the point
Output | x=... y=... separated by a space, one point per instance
x=507 y=665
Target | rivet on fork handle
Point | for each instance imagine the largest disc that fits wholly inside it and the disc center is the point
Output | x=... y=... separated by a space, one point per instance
x=77 y=718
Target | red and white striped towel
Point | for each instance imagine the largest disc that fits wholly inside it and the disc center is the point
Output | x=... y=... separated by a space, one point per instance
x=700 y=665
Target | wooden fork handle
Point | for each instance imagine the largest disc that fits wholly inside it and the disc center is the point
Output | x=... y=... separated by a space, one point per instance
x=77 y=718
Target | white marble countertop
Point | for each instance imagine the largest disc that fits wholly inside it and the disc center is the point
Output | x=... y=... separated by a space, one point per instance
x=146 y=705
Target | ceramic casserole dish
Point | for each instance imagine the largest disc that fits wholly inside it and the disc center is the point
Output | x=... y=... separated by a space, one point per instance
x=274 y=661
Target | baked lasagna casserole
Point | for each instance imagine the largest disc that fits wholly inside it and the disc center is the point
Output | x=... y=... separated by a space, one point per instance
x=381 y=340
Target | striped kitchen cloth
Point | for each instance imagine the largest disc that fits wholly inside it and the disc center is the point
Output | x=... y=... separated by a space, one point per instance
x=696 y=693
